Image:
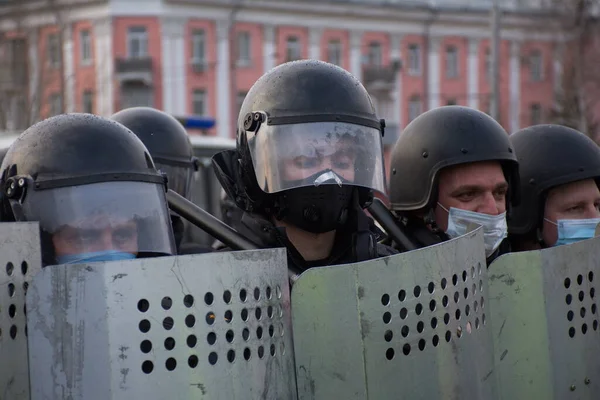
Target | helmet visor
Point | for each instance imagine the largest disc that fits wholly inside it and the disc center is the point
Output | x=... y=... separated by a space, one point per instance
x=179 y=178
x=317 y=153
x=126 y=217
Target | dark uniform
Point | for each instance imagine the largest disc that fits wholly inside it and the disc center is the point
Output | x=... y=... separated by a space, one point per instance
x=309 y=153
x=173 y=154
x=549 y=156
x=440 y=138
x=92 y=186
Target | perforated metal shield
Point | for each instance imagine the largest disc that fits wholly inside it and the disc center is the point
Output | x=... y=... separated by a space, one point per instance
x=410 y=326
x=545 y=322
x=210 y=326
x=20 y=259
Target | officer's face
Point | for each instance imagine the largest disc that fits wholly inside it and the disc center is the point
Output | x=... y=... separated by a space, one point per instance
x=303 y=166
x=121 y=236
x=480 y=187
x=576 y=200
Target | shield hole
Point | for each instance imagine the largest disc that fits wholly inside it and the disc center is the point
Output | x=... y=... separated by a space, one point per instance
x=188 y=300
x=192 y=341
x=432 y=305
x=404 y=331
x=231 y=355
x=434 y=322
x=420 y=327
x=268 y=293
x=229 y=336
x=228 y=316
x=147 y=367
x=388 y=336
x=467 y=310
x=166 y=303
x=435 y=341
x=473 y=272
x=419 y=309
x=592 y=293
x=417 y=291
x=568 y=299
x=13 y=332
x=209 y=298
x=261 y=352
x=244 y=315
x=582 y=312
x=272 y=350
x=431 y=287
x=482 y=303
x=272 y=330
x=213 y=358
x=259 y=332
x=474 y=289
x=422 y=344
x=594 y=308
x=454 y=279
x=227 y=297
x=385 y=299
x=448 y=336
x=570 y=315
x=278 y=292
x=387 y=317
x=483 y=319
x=406 y=349
x=466 y=293
x=464 y=276
x=193 y=361
x=168 y=323
x=567 y=283
x=572 y=332
x=581 y=295
x=243 y=295
x=584 y=328
x=456 y=297
x=11 y=289
x=258 y=313
x=143 y=305
x=479 y=268
x=579 y=279
x=146 y=346
x=256 y=294
x=169 y=343
x=457 y=314
x=12 y=310
x=475 y=305
x=446 y=318
x=445 y=301
x=403 y=313
x=595 y=325
x=270 y=311
x=480 y=285
x=9 y=268
x=389 y=354
x=144 y=326
x=477 y=323
x=402 y=295
x=24 y=267
x=444 y=283
x=190 y=321
x=282 y=349
x=211 y=338
x=25 y=286
x=245 y=334
x=591 y=276
x=247 y=354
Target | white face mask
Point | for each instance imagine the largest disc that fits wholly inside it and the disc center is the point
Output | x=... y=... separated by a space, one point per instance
x=495 y=229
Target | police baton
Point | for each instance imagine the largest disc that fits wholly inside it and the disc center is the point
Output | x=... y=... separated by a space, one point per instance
x=385 y=218
x=211 y=225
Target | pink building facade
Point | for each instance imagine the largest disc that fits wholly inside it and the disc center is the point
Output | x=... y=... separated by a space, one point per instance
x=201 y=57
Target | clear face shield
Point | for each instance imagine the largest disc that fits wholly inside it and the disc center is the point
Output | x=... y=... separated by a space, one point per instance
x=317 y=153
x=179 y=177
x=101 y=222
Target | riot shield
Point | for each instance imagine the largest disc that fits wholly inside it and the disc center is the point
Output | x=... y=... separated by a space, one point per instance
x=209 y=326
x=20 y=259
x=410 y=326
x=545 y=323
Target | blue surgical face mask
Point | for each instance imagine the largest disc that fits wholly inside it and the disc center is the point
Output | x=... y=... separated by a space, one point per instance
x=494 y=226
x=97 y=256
x=574 y=230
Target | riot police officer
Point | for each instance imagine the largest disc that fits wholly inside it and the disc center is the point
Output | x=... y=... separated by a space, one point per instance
x=172 y=152
x=453 y=167
x=92 y=186
x=308 y=159
x=560 y=200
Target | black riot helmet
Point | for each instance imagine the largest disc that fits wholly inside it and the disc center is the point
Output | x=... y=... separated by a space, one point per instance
x=440 y=138
x=308 y=143
x=167 y=141
x=549 y=156
x=92 y=186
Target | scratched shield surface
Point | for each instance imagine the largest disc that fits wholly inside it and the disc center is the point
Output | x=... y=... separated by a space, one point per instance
x=20 y=260
x=545 y=322
x=411 y=326
x=209 y=326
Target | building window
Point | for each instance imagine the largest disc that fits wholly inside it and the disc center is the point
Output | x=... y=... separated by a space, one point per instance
x=199 y=102
x=536 y=66
x=87 y=105
x=414 y=59
x=53 y=50
x=334 y=52
x=414 y=107
x=374 y=57
x=451 y=102
x=535 y=111
x=488 y=64
x=137 y=42
x=243 y=49
x=292 y=49
x=451 y=62
x=241 y=96
x=56 y=104
x=85 y=42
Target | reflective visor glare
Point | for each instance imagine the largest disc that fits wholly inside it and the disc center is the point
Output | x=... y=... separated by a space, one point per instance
x=117 y=216
x=291 y=156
